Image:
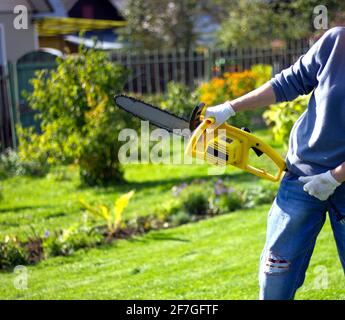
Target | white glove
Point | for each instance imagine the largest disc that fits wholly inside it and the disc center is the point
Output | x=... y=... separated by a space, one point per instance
x=220 y=113
x=321 y=186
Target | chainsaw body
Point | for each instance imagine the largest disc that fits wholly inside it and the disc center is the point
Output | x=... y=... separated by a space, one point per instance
x=228 y=145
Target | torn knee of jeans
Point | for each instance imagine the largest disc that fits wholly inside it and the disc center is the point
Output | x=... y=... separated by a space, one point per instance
x=275 y=264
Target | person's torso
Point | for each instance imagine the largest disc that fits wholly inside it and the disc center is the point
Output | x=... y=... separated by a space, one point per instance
x=317 y=140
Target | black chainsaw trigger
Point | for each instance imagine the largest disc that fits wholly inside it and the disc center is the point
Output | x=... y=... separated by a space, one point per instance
x=257 y=151
x=194 y=119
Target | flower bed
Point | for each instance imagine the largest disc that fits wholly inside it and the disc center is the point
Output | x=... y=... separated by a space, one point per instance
x=189 y=203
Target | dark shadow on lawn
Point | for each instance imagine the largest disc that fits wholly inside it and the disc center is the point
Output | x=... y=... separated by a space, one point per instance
x=156 y=236
x=168 y=183
x=160 y=236
x=21 y=208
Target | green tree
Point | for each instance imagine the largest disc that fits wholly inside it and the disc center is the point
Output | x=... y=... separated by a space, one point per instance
x=79 y=120
x=259 y=22
x=155 y=24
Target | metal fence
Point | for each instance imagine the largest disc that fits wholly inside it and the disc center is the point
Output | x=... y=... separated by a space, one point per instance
x=151 y=71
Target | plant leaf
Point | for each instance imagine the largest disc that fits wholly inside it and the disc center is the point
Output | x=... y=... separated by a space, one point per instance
x=105 y=212
x=96 y=211
x=120 y=204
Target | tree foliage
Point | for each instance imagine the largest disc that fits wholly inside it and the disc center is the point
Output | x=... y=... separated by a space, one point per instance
x=161 y=23
x=259 y=22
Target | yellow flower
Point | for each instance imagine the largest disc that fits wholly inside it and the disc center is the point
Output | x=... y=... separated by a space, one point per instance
x=208 y=98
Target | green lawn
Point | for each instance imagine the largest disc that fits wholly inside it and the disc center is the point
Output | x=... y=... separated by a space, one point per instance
x=212 y=259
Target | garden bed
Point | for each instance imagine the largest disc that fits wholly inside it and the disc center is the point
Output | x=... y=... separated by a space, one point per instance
x=189 y=203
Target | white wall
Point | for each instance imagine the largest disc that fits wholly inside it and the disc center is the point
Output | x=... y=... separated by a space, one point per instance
x=18 y=42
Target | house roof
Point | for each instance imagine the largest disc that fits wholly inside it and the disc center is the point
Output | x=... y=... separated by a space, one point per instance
x=34 y=6
x=67 y=18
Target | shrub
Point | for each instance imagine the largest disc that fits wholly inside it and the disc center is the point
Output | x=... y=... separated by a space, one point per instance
x=282 y=117
x=195 y=201
x=179 y=99
x=150 y=222
x=154 y=99
x=79 y=119
x=62 y=173
x=166 y=209
x=65 y=242
x=32 y=152
x=171 y=213
x=10 y=164
x=11 y=253
x=230 y=202
x=226 y=199
x=57 y=246
x=262 y=194
x=179 y=217
x=262 y=73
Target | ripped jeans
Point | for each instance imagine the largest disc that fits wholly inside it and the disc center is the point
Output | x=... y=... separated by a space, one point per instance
x=294 y=222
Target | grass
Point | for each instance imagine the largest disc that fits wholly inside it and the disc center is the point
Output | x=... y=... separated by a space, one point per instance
x=212 y=259
x=44 y=203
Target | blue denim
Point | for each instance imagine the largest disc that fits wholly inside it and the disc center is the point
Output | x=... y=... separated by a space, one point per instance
x=294 y=222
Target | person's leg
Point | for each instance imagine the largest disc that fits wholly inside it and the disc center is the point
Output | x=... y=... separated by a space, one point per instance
x=294 y=222
x=338 y=200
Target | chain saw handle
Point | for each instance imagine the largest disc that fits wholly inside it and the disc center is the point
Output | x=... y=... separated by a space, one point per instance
x=195 y=146
x=228 y=145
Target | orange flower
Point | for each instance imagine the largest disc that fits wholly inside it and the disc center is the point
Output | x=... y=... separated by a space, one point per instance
x=218 y=83
x=232 y=84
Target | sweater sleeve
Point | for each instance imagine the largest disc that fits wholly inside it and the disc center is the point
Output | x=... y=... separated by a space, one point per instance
x=301 y=78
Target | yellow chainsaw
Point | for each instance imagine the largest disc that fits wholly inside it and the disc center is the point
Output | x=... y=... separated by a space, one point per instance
x=222 y=145
x=228 y=145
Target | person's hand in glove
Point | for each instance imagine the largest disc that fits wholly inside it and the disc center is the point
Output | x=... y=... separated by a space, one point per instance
x=220 y=113
x=321 y=186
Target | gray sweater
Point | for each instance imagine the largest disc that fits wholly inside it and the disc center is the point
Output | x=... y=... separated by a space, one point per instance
x=317 y=140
